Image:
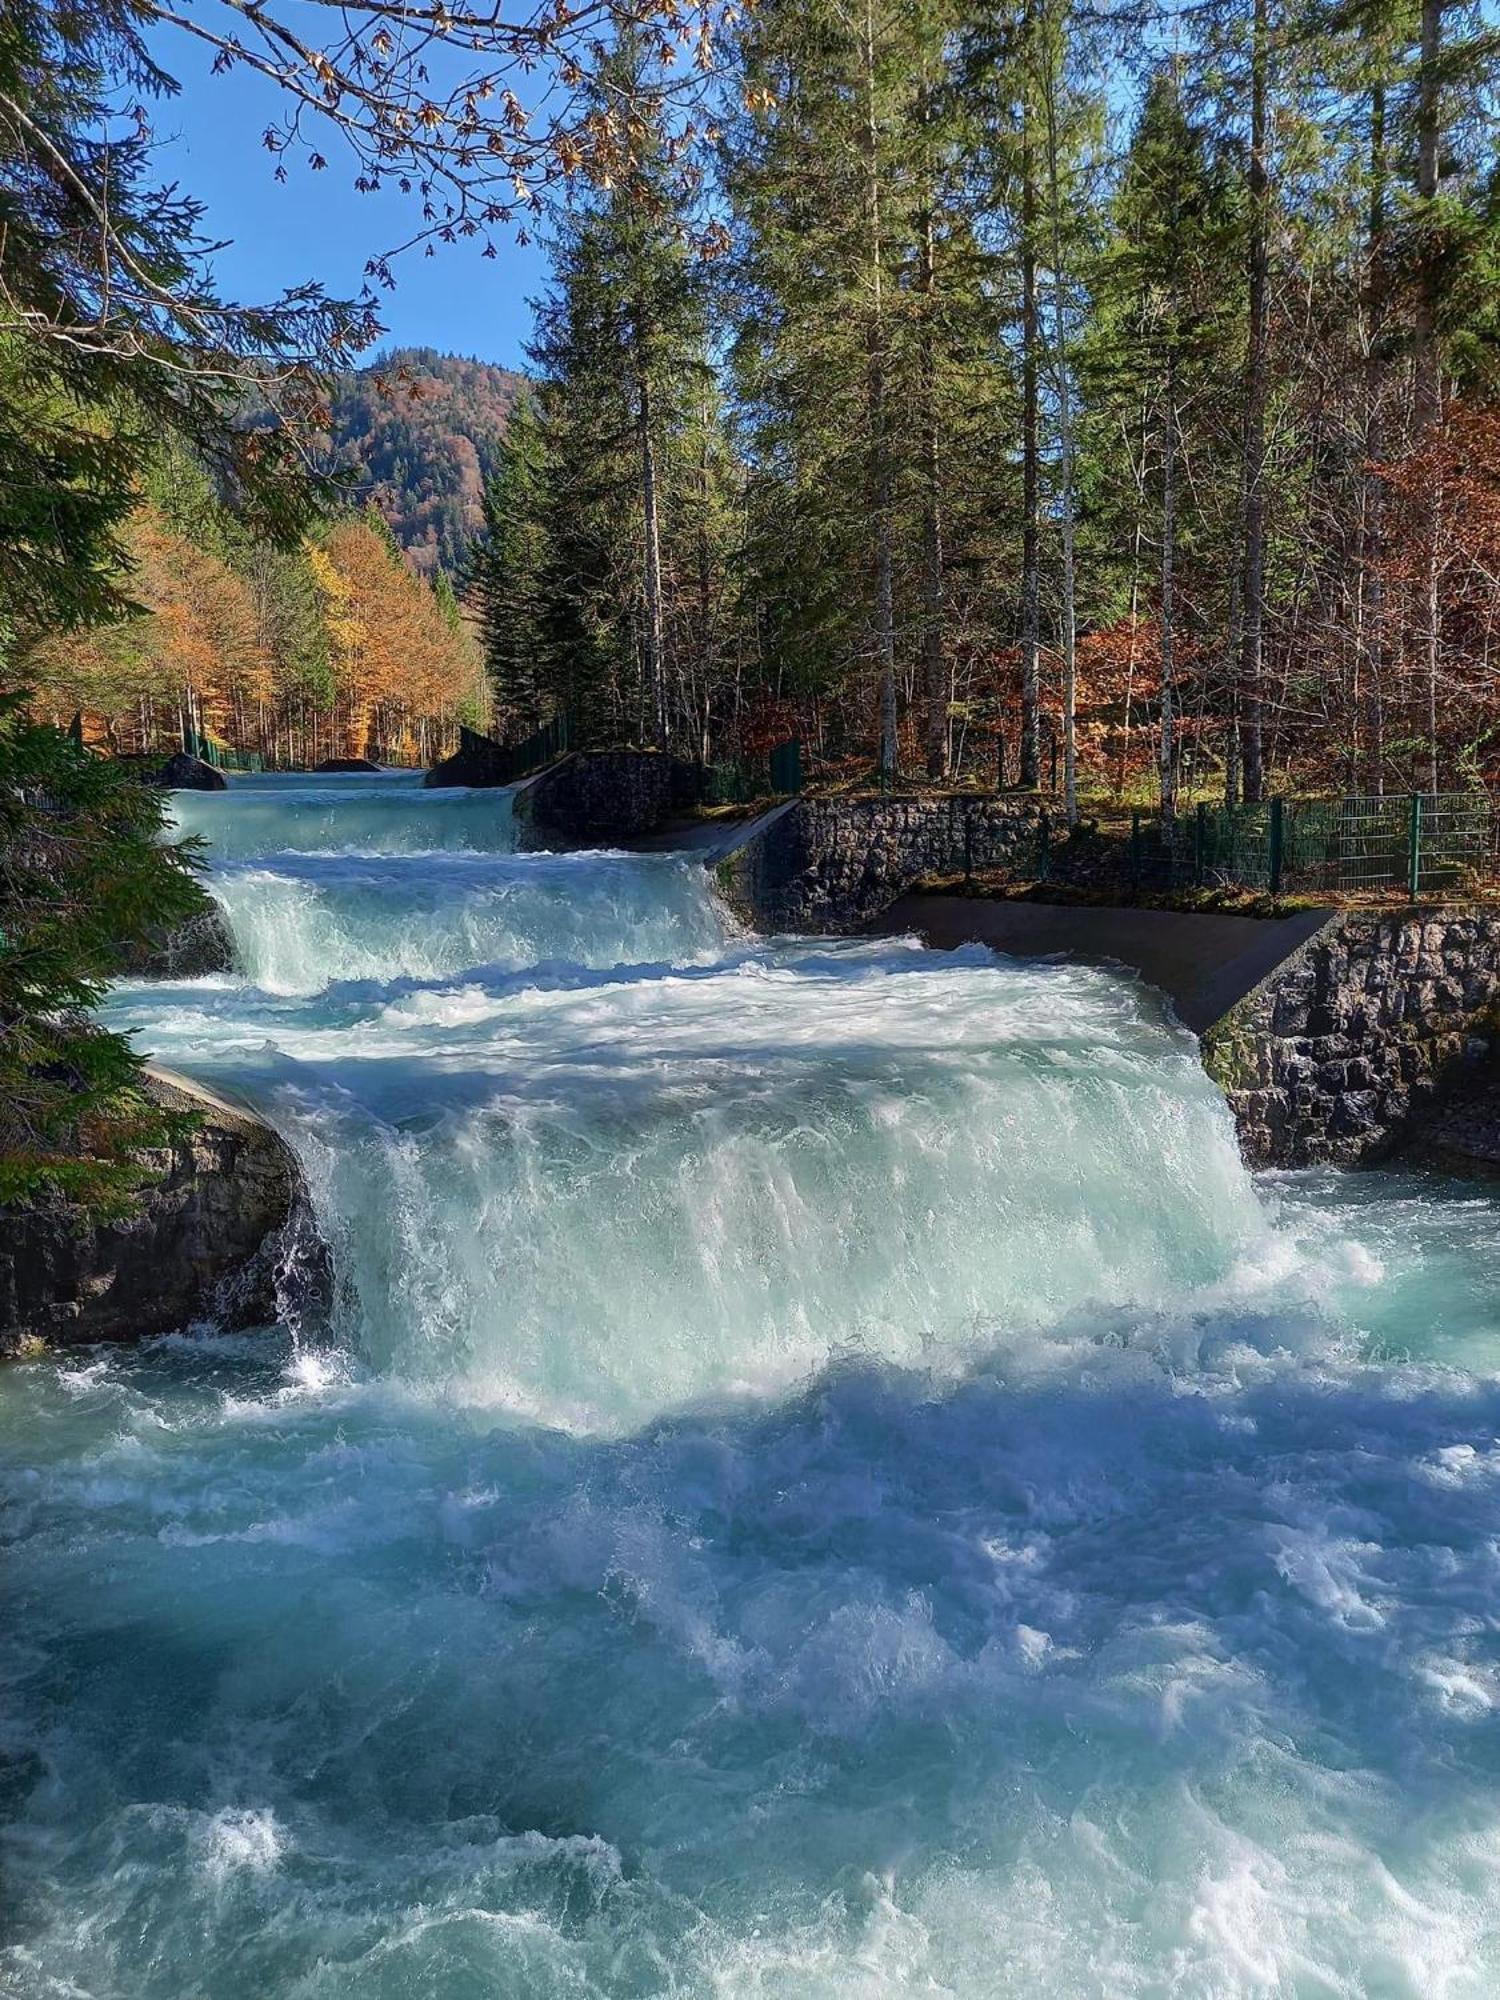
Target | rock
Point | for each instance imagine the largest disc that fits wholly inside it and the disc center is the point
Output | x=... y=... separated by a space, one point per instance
x=1463 y=1135
x=183 y=773
x=202 y=945
x=593 y=798
x=223 y=1234
x=478 y=760
x=346 y=764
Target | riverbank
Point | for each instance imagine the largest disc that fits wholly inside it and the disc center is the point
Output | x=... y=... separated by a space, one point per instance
x=219 y=1230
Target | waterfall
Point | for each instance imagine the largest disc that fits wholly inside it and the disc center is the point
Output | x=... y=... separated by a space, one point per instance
x=827 y=1478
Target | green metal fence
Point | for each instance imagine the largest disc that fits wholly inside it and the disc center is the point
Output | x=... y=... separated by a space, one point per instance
x=554 y=739
x=1423 y=845
x=198 y=743
x=739 y=780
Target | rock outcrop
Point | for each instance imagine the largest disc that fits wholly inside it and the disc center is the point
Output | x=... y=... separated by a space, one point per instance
x=222 y=1233
x=202 y=945
x=346 y=764
x=595 y=798
x=478 y=760
x=183 y=773
x=1352 y=1047
x=835 y=864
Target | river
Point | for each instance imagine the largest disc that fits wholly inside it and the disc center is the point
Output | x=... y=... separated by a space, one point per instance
x=827 y=1478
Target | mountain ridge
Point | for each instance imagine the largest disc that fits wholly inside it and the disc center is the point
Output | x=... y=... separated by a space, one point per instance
x=418 y=430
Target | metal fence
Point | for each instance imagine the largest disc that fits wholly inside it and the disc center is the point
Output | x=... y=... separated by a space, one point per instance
x=213 y=750
x=518 y=760
x=1428 y=844
x=739 y=780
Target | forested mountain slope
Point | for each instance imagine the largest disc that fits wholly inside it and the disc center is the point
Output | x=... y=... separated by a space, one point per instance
x=419 y=430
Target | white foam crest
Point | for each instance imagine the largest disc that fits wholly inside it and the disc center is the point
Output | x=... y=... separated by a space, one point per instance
x=596 y=1201
x=301 y=923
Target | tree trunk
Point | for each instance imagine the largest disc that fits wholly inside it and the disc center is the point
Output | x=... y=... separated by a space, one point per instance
x=1168 y=749
x=1253 y=476
x=652 y=636
x=934 y=661
x=1427 y=406
x=879 y=469
x=1065 y=452
x=1031 y=593
x=1369 y=704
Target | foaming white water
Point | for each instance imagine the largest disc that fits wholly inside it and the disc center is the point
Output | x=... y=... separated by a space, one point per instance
x=302 y=922
x=828 y=1479
x=591 y=1195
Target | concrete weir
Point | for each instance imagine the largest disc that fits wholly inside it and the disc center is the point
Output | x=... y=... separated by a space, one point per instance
x=1205 y=963
x=1338 y=1036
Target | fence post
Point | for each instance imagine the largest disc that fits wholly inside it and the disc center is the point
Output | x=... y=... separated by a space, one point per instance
x=1135 y=849
x=1277 y=844
x=1414 y=848
x=1200 y=843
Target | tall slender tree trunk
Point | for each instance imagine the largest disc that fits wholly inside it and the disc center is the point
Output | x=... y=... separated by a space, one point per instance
x=707 y=634
x=1168 y=748
x=879 y=465
x=1066 y=508
x=1370 y=707
x=1253 y=475
x=1031 y=589
x=1427 y=406
x=934 y=654
x=652 y=634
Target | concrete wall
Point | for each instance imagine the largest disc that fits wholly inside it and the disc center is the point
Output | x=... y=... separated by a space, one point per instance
x=1204 y=961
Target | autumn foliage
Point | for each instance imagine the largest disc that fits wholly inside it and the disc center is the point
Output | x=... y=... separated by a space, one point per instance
x=338 y=649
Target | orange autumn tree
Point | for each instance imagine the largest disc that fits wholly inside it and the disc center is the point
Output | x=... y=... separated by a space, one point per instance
x=403 y=677
x=188 y=658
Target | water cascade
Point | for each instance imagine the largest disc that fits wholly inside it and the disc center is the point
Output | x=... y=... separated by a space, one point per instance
x=827 y=1478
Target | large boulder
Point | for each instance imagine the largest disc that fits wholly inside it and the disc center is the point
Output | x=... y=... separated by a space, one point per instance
x=478 y=760
x=183 y=773
x=223 y=1233
x=346 y=764
x=202 y=945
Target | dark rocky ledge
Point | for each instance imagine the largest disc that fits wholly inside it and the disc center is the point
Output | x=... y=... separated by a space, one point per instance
x=478 y=760
x=202 y=945
x=835 y=864
x=183 y=773
x=223 y=1234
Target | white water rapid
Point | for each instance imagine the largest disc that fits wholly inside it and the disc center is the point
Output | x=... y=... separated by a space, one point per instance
x=827 y=1480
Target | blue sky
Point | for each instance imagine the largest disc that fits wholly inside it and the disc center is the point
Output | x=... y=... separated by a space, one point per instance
x=317 y=227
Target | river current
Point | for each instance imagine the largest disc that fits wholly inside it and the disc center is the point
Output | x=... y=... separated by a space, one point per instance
x=827 y=1478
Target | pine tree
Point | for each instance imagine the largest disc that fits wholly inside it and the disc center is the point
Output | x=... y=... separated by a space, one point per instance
x=1160 y=348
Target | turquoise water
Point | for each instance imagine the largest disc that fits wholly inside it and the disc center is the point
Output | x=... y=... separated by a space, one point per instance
x=826 y=1478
